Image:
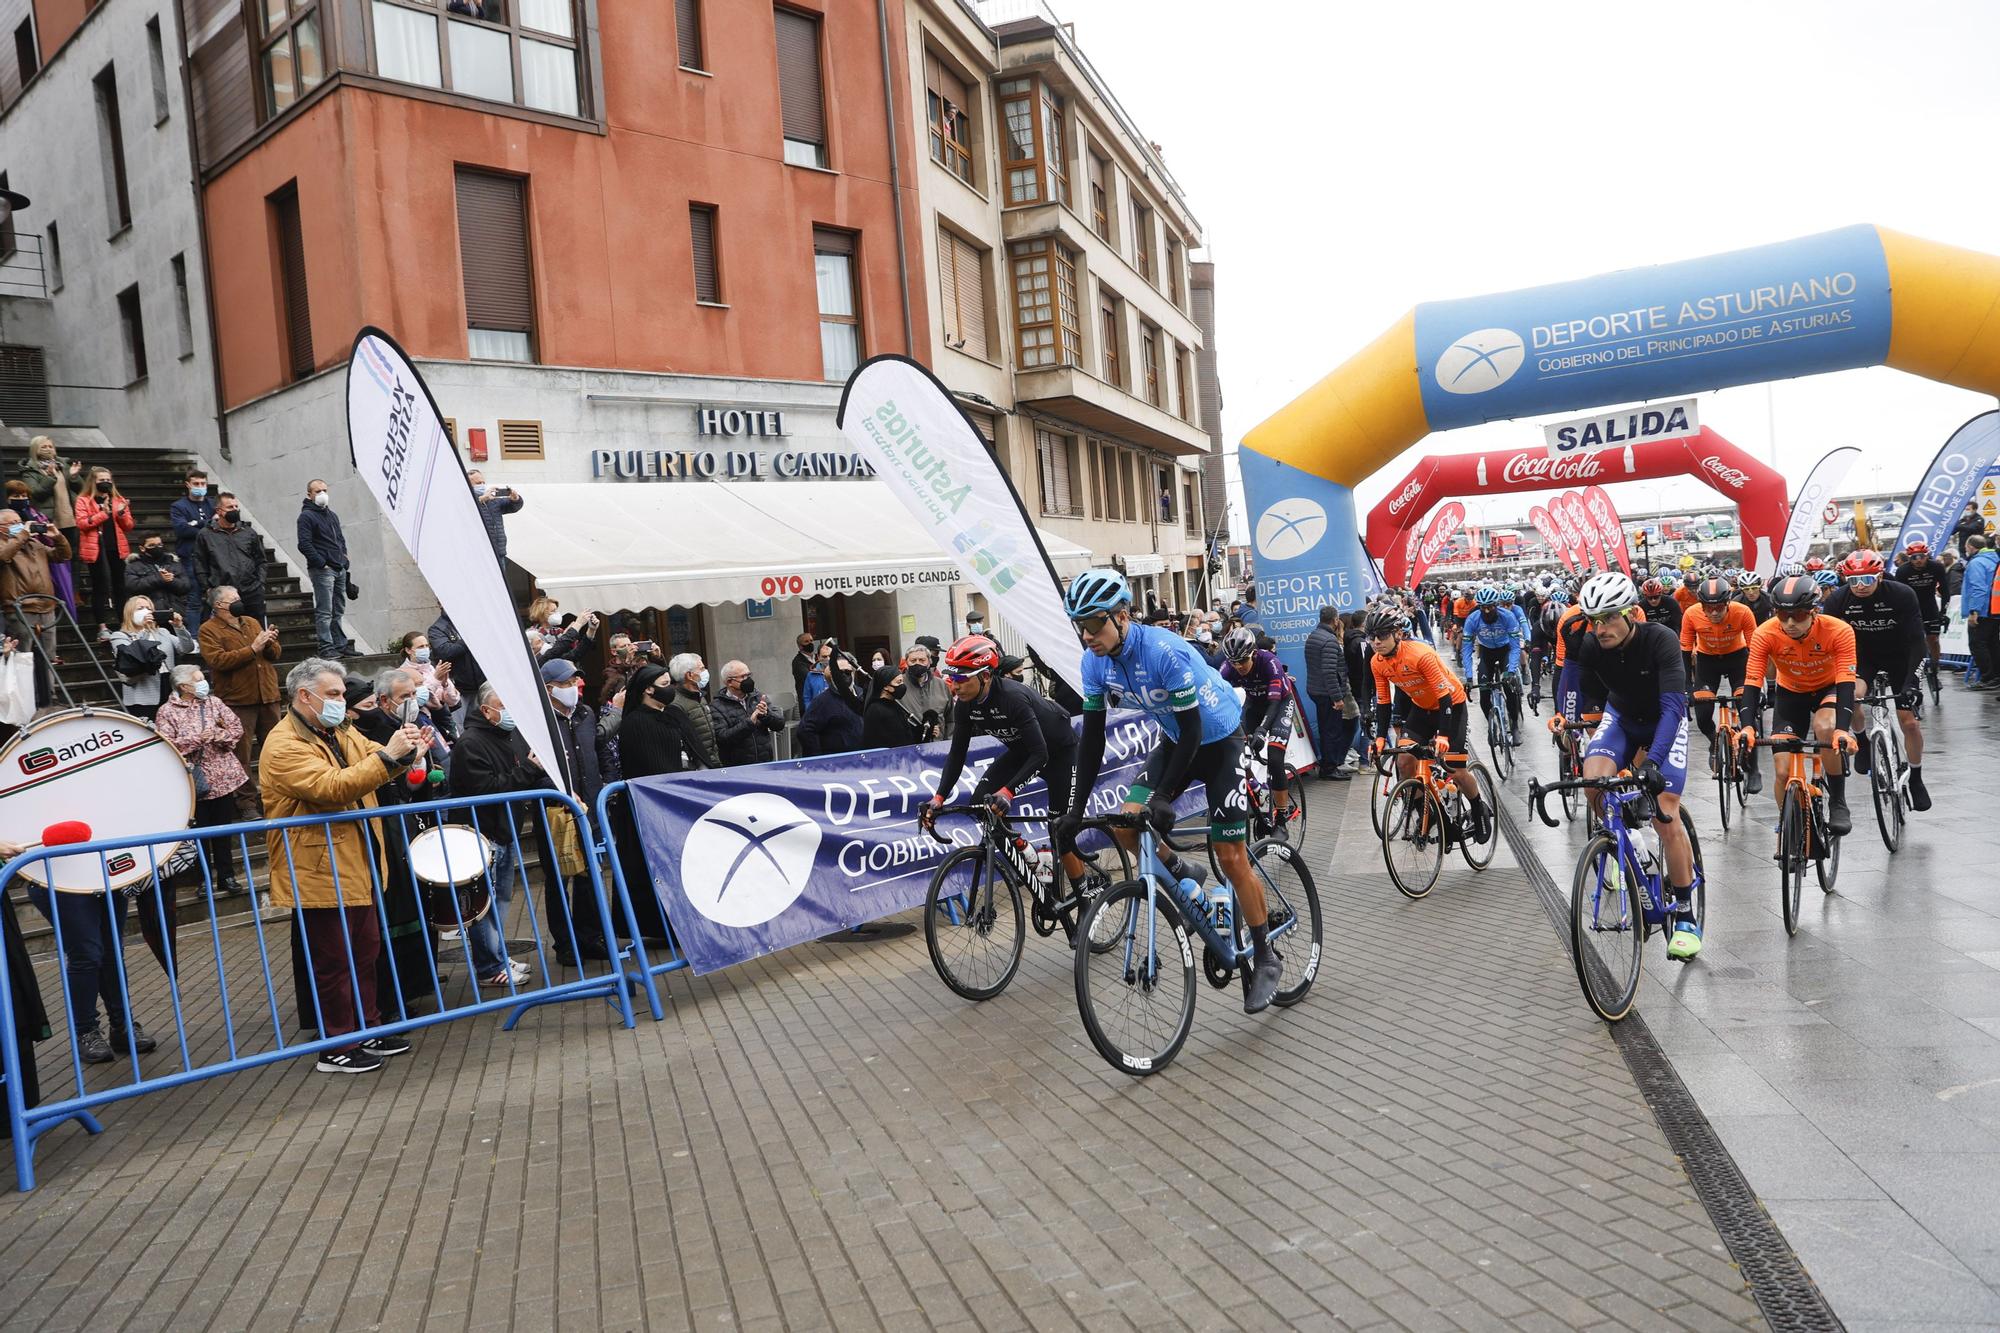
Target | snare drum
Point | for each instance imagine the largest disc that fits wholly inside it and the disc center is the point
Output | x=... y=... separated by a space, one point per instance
x=109 y=770
x=451 y=861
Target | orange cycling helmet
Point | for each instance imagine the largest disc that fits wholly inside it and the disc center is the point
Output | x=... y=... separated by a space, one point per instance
x=971 y=655
x=1862 y=564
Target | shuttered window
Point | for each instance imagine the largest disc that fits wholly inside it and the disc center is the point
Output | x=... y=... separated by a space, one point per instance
x=707 y=279
x=1107 y=332
x=24 y=385
x=1056 y=463
x=493 y=255
x=520 y=441
x=687 y=28
x=799 y=91
x=962 y=286
x=292 y=281
x=1100 y=196
x=1149 y=352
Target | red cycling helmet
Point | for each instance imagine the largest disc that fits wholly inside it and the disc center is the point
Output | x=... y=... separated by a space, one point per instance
x=1815 y=564
x=1863 y=563
x=971 y=655
x=1653 y=588
x=1917 y=548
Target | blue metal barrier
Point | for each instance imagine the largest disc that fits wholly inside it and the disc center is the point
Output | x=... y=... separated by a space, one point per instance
x=671 y=961
x=244 y=1043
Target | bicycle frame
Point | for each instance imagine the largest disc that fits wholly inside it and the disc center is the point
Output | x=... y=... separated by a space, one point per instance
x=1617 y=793
x=1154 y=871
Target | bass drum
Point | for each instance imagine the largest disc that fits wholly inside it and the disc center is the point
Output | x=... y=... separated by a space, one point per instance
x=108 y=769
x=450 y=862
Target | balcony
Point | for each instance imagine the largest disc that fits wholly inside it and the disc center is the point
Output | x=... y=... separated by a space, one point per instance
x=1076 y=395
x=21 y=270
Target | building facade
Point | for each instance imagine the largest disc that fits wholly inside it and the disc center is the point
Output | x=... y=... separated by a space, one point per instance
x=1057 y=244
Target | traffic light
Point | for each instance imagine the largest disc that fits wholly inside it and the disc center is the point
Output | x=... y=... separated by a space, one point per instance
x=1639 y=541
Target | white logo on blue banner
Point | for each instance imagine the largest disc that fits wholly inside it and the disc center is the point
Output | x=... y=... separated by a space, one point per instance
x=1290 y=528
x=1952 y=481
x=1481 y=360
x=748 y=859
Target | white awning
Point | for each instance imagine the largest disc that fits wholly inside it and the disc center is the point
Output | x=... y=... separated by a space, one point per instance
x=630 y=545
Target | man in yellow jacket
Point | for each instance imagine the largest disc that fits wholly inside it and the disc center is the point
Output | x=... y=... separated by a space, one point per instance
x=311 y=764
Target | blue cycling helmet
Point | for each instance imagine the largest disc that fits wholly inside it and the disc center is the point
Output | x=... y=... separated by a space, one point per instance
x=1096 y=592
x=1487 y=596
x=1826 y=578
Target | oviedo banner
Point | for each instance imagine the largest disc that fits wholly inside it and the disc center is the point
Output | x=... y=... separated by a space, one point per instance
x=1610 y=532
x=395 y=435
x=1810 y=505
x=1757 y=490
x=1952 y=481
x=923 y=447
x=748 y=861
x=1545 y=524
x=1443 y=528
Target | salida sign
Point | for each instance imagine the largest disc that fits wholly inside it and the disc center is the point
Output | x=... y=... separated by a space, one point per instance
x=1609 y=430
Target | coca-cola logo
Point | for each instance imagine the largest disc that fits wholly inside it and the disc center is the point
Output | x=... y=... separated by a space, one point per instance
x=1534 y=466
x=1735 y=477
x=1408 y=493
x=1437 y=541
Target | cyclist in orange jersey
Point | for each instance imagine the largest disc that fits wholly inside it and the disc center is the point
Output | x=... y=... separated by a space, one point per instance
x=1813 y=656
x=1436 y=705
x=1716 y=638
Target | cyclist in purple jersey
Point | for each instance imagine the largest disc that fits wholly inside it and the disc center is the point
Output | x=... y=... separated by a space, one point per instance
x=1267 y=711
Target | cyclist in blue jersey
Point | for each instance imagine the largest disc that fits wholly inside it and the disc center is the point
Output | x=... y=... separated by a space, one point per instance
x=1267 y=713
x=1160 y=672
x=1494 y=634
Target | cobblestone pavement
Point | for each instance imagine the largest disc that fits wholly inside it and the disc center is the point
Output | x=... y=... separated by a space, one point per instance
x=1441 y=1136
x=1853 y=1071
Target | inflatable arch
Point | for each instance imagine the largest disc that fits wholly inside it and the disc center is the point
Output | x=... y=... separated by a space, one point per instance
x=1859 y=296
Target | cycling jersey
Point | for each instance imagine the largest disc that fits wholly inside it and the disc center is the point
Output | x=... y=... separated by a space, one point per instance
x=1823 y=657
x=1159 y=672
x=1644 y=687
x=1463 y=607
x=1034 y=730
x=1706 y=636
x=1417 y=670
x=1760 y=605
x=1686 y=597
x=1263 y=687
x=1888 y=629
x=1667 y=611
x=1928 y=584
x=1505 y=630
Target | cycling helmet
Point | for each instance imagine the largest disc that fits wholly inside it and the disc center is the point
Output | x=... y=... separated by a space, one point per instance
x=1690 y=577
x=1559 y=597
x=971 y=655
x=1863 y=563
x=1096 y=592
x=1507 y=594
x=1713 y=592
x=1488 y=596
x=1917 y=548
x=1815 y=565
x=1607 y=593
x=1790 y=569
x=1795 y=594
x=1383 y=622
x=1749 y=582
x=1653 y=588
x=1825 y=578
x=1239 y=643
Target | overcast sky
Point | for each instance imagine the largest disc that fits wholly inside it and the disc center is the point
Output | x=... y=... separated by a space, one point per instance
x=1348 y=161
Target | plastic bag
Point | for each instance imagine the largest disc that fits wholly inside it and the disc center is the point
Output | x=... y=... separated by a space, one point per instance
x=17 y=688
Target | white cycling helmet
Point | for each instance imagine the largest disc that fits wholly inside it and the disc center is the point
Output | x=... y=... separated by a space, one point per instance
x=1607 y=593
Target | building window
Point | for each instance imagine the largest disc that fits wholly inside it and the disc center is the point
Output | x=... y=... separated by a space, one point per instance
x=1190 y=508
x=1055 y=461
x=26 y=56
x=1053 y=151
x=1107 y=483
x=1142 y=239
x=1109 y=322
x=1182 y=382
x=1174 y=272
x=1149 y=358
x=288 y=52
x=111 y=146
x=10 y=239
x=687 y=32
x=1163 y=484
x=157 y=57
x=1045 y=305
x=1130 y=502
x=1093 y=463
x=946 y=97
x=519 y=51
x=962 y=291
x=493 y=256
x=1100 y=196
x=183 y=316
x=291 y=267
x=707 y=274
x=839 y=311
x=1017 y=111
x=801 y=98
x=55 y=259
x=134 y=328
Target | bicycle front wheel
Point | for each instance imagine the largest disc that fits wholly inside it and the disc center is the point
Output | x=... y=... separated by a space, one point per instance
x=1479 y=855
x=1378 y=797
x=1700 y=871
x=1791 y=859
x=1497 y=739
x=1607 y=929
x=1295 y=822
x=1413 y=835
x=1883 y=785
x=1721 y=756
x=1291 y=903
x=973 y=924
x=1826 y=855
x=1137 y=997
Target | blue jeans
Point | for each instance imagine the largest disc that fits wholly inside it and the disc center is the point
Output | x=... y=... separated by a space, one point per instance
x=329 y=604
x=488 y=942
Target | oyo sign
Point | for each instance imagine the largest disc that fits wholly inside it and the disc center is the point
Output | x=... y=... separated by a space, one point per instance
x=1613 y=430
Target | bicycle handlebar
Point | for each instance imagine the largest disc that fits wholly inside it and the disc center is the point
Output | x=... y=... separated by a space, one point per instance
x=977 y=809
x=1801 y=744
x=1539 y=791
x=1415 y=749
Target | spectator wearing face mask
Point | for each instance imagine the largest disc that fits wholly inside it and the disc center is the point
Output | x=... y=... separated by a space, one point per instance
x=689 y=706
x=885 y=723
x=437 y=697
x=649 y=743
x=745 y=721
x=227 y=551
x=925 y=694
x=155 y=572
x=241 y=654
x=27 y=592
x=46 y=531
x=803 y=663
x=324 y=547
x=818 y=678
x=495 y=503
x=571 y=913
x=144 y=654
x=833 y=724
x=975 y=623
x=189 y=515
x=403 y=971
x=103 y=518
x=207 y=733
x=493 y=758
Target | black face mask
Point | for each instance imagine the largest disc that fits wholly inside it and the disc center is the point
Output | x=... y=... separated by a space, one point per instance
x=104 y=488
x=897 y=691
x=150 y=552
x=746 y=686
x=919 y=674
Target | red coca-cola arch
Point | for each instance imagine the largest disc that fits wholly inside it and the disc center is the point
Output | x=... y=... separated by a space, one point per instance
x=1758 y=490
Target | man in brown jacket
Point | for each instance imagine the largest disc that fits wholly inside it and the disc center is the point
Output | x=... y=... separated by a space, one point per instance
x=239 y=653
x=313 y=765
x=26 y=590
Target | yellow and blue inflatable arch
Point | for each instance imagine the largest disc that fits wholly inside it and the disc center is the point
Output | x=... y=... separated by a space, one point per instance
x=1859 y=296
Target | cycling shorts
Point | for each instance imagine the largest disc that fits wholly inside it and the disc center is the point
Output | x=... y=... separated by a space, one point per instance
x=1711 y=669
x=1902 y=675
x=1621 y=742
x=1275 y=723
x=1421 y=725
x=1060 y=776
x=1490 y=664
x=1218 y=766
x=1792 y=710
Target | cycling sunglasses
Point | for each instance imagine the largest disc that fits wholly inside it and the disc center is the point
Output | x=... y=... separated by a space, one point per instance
x=1091 y=624
x=1604 y=618
x=1863 y=580
x=1797 y=613
x=960 y=677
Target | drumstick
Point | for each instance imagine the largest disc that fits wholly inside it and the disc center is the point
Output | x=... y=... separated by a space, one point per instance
x=60 y=834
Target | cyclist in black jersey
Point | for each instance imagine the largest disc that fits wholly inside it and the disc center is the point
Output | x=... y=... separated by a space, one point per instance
x=1887 y=618
x=1659 y=605
x=1926 y=578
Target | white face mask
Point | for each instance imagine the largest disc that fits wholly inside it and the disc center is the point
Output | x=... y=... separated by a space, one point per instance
x=321 y=500
x=142 y=615
x=566 y=695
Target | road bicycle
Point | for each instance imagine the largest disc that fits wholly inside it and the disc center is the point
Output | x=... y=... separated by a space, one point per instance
x=972 y=913
x=1538 y=665
x=1888 y=775
x=1426 y=815
x=1136 y=994
x=1802 y=829
x=1725 y=759
x=1265 y=818
x=1500 y=738
x=1619 y=894
x=1568 y=737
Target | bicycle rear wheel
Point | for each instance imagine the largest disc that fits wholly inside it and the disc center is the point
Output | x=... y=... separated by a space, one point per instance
x=1826 y=852
x=1413 y=835
x=1292 y=901
x=1480 y=855
x=1137 y=997
x=1567 y=769
x=1607 y=929
x=1378 y=797
x=1791 y=859
x=1700 y=871
x=1884 y=786
x=973 y=925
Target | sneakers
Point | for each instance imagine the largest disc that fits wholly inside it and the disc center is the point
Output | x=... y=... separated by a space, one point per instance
x=1685 y=942
x=96 y=1050
x=356 y=1061
x=1920 y=797
x=380 y=1047
x=1263 y=985
x=1753 y=781
x=519 y=972
x=136 y=1038
x=1838 y=821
